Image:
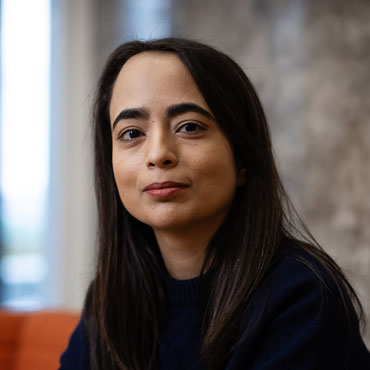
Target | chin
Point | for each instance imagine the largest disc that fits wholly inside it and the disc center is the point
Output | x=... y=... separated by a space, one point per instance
x=172 y=224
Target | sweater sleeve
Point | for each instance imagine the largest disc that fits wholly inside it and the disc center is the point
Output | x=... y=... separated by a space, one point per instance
x=303 y=324
x=76 y=356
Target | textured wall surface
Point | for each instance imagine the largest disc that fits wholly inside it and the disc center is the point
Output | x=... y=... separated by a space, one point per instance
x=310 y=62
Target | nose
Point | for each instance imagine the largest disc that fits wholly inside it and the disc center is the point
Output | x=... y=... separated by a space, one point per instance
x=161 y=151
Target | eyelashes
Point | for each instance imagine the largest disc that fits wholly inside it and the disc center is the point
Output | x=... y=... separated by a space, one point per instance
x=187 y=128
x=190 y=127
x=130 y=134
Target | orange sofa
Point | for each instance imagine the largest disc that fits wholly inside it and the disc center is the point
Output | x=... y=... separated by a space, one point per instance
x=34 y=340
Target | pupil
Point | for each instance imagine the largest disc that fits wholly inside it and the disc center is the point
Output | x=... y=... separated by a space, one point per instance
x=189 y=127
x=133 y=134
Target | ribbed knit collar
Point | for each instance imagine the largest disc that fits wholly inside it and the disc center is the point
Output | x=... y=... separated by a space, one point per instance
x=182 y=292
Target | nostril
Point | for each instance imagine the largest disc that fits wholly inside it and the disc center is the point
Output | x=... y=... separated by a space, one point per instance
x=161 y=163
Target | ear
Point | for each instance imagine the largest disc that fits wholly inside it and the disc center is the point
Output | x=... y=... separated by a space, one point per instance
x=240 y=181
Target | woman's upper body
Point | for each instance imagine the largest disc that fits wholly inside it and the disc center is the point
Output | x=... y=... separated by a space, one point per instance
x=294 y=321
x=186 y=184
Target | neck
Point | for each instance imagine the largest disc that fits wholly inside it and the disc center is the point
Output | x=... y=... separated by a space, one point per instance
x=183 y=251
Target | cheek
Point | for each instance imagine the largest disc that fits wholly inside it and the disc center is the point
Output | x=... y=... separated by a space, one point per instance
x=216 y=167
x=124 y=170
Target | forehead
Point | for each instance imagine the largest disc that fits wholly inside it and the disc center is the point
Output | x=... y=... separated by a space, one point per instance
x=151 y=61
x=150 y=77
x=148 y=63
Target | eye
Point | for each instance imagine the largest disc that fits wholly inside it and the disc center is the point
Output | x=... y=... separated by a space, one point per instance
x=130 y=135
x=190 y=127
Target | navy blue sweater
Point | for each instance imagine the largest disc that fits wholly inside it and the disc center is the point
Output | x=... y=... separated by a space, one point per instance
x=303 y=326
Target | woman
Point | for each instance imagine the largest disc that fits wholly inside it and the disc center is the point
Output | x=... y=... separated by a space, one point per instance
x=201 y=263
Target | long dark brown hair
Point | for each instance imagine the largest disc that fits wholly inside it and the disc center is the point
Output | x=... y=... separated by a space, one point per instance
x=125 y=305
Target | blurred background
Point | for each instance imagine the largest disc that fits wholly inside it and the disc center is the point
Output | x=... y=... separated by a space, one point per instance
x=310 y=63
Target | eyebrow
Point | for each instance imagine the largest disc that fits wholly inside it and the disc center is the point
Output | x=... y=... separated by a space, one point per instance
x=131 y=113
x=176 y=109
x=171 y=111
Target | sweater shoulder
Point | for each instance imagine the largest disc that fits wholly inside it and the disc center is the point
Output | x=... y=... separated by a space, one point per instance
x=76 y=355
x=298 y=268
x=301 y=316
x=304 y=281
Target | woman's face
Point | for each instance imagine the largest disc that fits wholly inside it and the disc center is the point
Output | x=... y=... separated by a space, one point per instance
x=173 y=166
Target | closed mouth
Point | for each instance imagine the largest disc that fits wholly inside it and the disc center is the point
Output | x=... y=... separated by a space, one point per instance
x=165 y=185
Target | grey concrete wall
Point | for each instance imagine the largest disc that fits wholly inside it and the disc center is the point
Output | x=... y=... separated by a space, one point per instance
x=310 y=62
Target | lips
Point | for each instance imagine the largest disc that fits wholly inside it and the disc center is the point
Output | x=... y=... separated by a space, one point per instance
x=165 y=185
x=164 y=189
